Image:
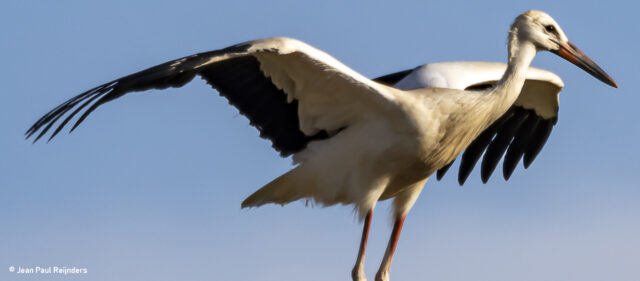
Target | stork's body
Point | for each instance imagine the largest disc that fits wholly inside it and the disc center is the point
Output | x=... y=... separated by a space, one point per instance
x=417 y=133
x=356 y=141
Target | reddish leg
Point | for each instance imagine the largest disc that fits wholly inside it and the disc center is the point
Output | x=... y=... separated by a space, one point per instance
x=357 y=274
x=383 y=272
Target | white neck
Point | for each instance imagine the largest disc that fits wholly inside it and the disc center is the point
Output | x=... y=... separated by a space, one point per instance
x=507 y=90
x=480 y=110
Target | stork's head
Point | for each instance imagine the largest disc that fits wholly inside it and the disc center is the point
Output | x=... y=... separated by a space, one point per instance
x=544 y=32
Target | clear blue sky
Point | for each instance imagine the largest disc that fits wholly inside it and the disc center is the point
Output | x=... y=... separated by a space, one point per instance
x=149 y=187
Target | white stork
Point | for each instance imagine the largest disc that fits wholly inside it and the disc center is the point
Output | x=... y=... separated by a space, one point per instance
x=355 y=140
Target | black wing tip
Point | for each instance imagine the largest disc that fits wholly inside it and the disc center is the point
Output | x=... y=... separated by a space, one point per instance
x=33 y=141
x=173 y=73
x=507 y=172
x=46 y=122
x=442 y=171
x=36 y=127
x=488 y=167
x=540 y=136
x=485 y=177
x=28 y=133
x=31 y=133
x=462 y=178
x=511 y=161
x=469 y=159
x=526 y=161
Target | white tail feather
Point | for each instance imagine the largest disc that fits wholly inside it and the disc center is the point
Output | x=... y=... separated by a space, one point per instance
x=282 y=190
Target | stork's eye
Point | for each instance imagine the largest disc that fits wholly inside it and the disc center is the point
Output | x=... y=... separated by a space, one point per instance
x=550 y=28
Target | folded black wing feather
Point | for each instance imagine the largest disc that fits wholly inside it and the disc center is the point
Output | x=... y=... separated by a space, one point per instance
x=520 y=132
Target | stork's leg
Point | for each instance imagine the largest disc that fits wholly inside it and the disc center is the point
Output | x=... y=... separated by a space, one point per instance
x=358 y=270
x=402 y=203
x=383 y=272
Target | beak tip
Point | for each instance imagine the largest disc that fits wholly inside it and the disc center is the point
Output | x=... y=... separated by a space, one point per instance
x=570 y=52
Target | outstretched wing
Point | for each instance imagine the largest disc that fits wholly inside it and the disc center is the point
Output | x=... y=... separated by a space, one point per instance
x=521 y=132
x=292 y=92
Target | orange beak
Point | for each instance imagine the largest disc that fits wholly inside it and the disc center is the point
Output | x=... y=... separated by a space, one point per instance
x=571 y=53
